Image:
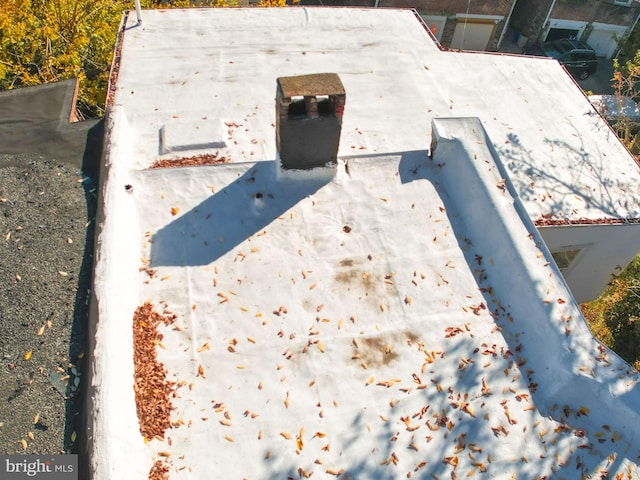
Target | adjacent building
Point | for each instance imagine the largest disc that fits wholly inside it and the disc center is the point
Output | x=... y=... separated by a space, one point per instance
x=487 y=25
x=457 y=24
x=603 y=25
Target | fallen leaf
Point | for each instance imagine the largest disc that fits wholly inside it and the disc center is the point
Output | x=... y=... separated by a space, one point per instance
x=453 y=461
x=27 y=356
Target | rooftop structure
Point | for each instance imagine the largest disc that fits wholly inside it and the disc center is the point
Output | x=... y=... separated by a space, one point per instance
x=394 y=313
x=215 y=87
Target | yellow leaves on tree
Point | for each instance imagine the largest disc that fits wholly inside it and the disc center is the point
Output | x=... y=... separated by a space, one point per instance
x=274 y=3
x=49 y=40
x=45 y=41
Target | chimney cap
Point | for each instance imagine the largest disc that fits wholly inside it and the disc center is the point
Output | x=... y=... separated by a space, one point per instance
x=311 y=85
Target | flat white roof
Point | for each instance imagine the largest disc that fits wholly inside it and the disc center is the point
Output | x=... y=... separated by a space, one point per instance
x=206 y=77
x=397 y=317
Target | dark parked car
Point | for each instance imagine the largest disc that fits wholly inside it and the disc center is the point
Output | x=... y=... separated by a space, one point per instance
x=577 y=57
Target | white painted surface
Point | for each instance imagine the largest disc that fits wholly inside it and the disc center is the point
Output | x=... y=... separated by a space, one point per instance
x=208 y=65
x=113 y=427
x=616 y=107
x=608 y=246
x=295 y=279
x=470 y=35
x=604 y=38
x=430 y=243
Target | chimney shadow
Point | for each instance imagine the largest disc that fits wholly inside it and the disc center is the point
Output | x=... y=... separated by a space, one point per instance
x=223 y=221
x=309 y=110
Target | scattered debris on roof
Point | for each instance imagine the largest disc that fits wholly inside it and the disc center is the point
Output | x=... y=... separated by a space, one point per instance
x=395 y=315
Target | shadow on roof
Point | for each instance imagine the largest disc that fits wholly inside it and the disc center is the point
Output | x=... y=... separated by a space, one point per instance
x=230 y=216
x=584 y=170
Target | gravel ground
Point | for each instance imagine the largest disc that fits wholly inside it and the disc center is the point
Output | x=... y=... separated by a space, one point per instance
x=46 y=255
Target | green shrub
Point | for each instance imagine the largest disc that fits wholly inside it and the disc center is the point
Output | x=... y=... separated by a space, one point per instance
x=614 y=317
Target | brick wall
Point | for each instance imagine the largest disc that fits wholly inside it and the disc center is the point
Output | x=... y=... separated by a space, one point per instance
x=451 y=7
x=589 y=11
x=343 y=3
x=528 y=17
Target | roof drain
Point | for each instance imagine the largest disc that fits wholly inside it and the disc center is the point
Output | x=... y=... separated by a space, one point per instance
x=138 y=12
x=309 y=110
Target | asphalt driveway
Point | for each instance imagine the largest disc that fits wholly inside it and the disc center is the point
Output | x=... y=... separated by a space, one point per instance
x=599 y=83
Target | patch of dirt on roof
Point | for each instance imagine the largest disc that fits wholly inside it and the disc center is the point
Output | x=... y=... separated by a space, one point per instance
x=205 y=159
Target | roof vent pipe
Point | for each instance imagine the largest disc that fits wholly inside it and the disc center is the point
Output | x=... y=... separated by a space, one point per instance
x=309 y=110
x=138 y=12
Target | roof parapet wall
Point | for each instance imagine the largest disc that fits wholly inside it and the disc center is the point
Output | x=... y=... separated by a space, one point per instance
x=462 y=150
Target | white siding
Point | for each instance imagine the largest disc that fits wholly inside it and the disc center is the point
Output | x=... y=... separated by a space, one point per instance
x=604 y=38
x=605 y=248
x=472 y=36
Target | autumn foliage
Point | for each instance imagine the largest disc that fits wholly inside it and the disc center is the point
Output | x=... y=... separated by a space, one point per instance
x=614 y=317
x=49 y=40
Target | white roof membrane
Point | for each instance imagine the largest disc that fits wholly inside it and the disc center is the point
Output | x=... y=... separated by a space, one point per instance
x=185 y=72
x=398 y=316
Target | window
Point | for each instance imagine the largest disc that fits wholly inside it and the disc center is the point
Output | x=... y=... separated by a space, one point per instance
x=564 y=258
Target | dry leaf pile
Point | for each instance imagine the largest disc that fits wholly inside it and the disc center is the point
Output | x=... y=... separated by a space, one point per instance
x=159 y=471
x=151 y=388
x=205 y=159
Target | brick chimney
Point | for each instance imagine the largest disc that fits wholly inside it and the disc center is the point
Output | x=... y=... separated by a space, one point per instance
x=309 y=111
